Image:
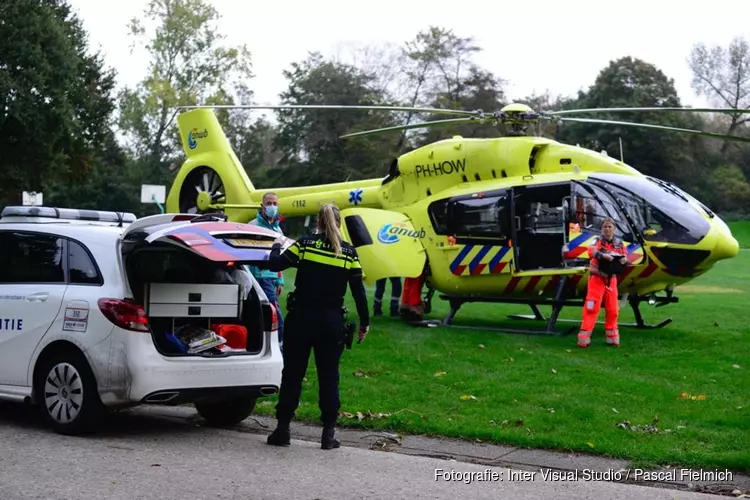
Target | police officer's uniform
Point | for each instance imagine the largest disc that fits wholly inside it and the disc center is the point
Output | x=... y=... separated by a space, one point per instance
x=315 y=321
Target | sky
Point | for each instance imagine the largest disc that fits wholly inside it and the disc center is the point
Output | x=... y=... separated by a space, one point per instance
x=537 y=46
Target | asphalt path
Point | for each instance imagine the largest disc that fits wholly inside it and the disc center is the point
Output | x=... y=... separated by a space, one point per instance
x=152 y=458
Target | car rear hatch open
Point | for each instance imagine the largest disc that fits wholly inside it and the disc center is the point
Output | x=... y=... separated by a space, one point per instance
x=188 y=276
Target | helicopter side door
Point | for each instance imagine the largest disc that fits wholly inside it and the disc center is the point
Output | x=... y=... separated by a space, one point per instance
x=387 y=243
x=481 y=232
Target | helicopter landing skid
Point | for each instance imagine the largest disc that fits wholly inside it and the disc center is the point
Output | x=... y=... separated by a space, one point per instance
x=557 y=304
x=635 y=304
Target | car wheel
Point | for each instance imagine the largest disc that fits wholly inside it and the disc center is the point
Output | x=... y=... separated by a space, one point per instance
x=67 y=393
x=226 y=413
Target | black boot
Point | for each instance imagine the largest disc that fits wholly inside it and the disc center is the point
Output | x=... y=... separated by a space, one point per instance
x=280 y=436
x=327 y=441
x=377 y=309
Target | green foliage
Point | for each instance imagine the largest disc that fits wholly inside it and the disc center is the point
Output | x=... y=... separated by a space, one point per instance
x=189 y=65
x=632 y=82
x=730 y=188
x=309 y=140
x=479 y=89
x=55 y=99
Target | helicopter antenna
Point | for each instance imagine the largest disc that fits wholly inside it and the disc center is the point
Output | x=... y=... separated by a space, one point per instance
x=622 y=156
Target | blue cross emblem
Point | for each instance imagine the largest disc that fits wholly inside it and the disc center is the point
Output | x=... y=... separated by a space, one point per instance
x=355 y=197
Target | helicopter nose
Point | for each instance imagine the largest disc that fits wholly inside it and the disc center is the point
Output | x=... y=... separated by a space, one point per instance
x=726 y=248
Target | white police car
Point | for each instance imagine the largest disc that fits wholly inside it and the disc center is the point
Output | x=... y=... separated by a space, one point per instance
x=101 y=311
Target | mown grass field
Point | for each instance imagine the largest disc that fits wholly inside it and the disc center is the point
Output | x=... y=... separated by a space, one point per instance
x=741 y=231
x=690 y=380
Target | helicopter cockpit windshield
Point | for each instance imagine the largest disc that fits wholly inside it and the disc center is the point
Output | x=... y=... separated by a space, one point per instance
x=591 y=205
x=660 y=212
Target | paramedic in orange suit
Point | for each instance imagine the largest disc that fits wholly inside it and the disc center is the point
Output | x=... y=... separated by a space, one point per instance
x=602 y=285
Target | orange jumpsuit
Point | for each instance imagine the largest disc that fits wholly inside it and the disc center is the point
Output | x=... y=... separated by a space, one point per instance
x=601 y=288
x=412 y=307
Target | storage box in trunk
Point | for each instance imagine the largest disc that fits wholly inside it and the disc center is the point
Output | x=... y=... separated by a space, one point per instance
x=176 y=300
x=185 y=318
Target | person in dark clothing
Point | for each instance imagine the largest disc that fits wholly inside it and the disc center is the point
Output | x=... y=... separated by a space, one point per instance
x=380 y=292
x=325 y=266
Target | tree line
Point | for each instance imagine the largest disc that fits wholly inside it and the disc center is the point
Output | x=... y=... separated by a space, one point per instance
x=66 y=131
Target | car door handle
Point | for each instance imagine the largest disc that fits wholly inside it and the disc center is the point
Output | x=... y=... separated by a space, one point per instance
x=37 y=297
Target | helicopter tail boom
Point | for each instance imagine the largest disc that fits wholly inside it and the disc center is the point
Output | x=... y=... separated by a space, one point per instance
x=308 y=200
x=212 y=178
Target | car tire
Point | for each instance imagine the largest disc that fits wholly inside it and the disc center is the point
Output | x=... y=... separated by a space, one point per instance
x=67 y=393
x=227 y=412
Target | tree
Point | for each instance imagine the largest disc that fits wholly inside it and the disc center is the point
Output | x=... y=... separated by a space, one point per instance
x=435 y=68
x=480 y=89
x=723 y=75
x=189 y=65
x=309 y=140
x=55 y=99
x=630 y=82
x=383 y=62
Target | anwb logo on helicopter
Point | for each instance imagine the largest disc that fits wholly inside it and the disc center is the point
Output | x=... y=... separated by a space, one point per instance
x=391 y=233
x=195 y=134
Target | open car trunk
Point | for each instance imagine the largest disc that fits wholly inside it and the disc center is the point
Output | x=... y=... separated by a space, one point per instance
x=191 y=281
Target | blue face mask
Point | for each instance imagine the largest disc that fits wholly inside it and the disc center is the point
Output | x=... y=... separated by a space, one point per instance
x=271 y=211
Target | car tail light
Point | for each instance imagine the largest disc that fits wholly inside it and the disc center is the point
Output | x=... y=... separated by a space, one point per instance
x=270 y=316
x=125 y=314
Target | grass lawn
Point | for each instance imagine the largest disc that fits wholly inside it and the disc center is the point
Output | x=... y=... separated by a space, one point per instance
x=690 y=380
x=741 y=231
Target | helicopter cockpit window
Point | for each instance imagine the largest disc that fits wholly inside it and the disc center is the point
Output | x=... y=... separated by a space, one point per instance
x=479 y=217
x=591 y=205
x=659 y=213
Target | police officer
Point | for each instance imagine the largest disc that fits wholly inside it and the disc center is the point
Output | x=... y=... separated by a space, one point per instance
x=325 y=265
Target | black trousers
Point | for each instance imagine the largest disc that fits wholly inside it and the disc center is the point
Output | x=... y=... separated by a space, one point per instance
x=395 y=293
x=319 y=331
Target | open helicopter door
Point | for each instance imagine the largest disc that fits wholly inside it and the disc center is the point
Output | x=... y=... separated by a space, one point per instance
x=387 y=243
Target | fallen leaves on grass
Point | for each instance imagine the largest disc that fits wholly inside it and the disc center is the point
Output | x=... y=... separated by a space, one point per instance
x=554 y=371
x=653 y=428
x=440 y=374
x=365 y=374
x=694 y=397
x=480 y=346
x=466 y=397
x=365 y=416
x=590 y=443
x=736 y=366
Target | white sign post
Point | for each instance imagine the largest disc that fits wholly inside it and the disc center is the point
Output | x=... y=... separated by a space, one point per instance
x=33 y=198
x=151 y=193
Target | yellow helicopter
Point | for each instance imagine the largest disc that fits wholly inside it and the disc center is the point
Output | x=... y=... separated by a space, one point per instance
x=503 y=220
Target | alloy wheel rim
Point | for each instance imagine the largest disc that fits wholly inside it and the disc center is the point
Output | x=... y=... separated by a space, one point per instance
x=63 y=393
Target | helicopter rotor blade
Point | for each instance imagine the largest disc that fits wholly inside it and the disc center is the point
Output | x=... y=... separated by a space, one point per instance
x=327 y=106
x=659 y=127
x=611 y=110
x=453 y=121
